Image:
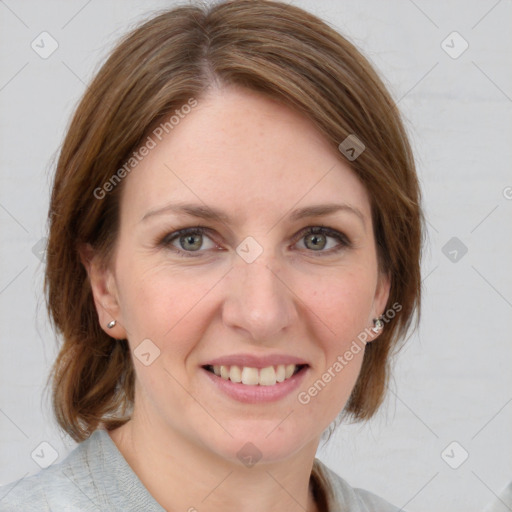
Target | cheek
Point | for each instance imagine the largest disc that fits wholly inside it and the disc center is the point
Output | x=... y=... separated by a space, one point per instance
x=343 y=304
x=162 y=303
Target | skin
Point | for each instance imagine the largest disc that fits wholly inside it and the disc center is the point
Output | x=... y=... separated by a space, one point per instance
x=257 y=160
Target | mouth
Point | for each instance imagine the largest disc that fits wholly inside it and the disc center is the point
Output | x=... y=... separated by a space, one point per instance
x=250 y=376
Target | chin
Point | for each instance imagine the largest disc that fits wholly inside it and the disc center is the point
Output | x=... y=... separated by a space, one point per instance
x=261 y=441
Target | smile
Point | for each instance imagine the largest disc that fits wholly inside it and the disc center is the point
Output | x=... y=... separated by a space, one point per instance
x=249 y=376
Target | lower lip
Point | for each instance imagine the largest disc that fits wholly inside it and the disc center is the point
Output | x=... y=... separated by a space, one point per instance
x=257 y=394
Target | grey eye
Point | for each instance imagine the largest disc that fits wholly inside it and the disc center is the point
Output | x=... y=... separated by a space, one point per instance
x=315 y=241
x=191 y=242
x=321 y=239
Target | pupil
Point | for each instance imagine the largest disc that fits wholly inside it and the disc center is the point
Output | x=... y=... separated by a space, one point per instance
x=318 y=241
x=189 y=239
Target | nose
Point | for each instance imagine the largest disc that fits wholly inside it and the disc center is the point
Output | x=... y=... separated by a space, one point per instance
x=259 y=301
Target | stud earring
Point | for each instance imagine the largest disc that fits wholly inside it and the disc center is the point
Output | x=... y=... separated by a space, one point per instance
x=111 y=324
x=378 y=325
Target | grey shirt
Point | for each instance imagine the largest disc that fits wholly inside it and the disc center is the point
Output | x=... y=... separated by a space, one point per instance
x=96 y=477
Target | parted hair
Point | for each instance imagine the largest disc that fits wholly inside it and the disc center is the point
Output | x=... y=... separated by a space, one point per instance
x=271 y=47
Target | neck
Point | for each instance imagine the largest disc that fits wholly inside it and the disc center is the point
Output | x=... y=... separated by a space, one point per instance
x=181 y=475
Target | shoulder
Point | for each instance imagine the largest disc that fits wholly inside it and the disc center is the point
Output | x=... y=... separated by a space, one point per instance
x=341 y=496
x=67 y=486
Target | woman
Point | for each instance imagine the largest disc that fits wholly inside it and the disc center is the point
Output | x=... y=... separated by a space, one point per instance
x=233 y=255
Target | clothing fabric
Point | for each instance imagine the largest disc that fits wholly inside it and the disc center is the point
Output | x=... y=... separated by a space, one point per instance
x=95 y=477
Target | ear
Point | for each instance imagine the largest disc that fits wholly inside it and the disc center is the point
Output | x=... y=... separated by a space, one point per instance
x=380 y=299
x=104 y=291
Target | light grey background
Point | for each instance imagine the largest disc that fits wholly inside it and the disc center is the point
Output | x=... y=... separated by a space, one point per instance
x=453 y=380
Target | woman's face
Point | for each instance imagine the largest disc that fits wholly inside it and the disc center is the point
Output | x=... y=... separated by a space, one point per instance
x=261 y=286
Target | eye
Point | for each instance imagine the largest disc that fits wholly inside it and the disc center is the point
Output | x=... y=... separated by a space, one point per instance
x=188 y=240
x=322 y=239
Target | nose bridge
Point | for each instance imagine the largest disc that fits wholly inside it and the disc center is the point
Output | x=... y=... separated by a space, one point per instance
x=256 y=300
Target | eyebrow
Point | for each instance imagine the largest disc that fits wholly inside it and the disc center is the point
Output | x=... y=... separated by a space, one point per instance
x=209 y=213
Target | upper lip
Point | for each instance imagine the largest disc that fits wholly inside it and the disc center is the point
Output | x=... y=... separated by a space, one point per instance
x=253 y=361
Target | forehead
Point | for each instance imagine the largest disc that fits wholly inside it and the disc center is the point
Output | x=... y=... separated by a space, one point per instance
x=243 y=152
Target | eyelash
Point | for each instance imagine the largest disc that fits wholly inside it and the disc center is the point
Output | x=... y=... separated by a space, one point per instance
x=167 y=240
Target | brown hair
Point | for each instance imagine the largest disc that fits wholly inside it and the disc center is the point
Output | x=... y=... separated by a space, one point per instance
x=271 y=47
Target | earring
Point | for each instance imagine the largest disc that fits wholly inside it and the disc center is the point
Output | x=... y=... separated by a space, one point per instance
x=111 y=324
x=379 y=325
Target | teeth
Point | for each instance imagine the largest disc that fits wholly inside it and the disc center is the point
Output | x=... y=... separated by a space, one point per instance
x=250 y=376
x=290 y=368
x=235 y=374
x=268 y=376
